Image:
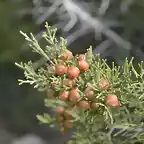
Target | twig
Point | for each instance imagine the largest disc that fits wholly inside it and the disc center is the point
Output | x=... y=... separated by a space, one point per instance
x=71 y=38
x=48 y=12
x=96 y=24
x=72 y=21
x=103 y=46
x=104 y=6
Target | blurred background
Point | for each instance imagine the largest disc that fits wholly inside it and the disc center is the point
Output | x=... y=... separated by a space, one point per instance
x=114 y=28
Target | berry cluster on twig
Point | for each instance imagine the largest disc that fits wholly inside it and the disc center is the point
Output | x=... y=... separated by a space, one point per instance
x=86 y=93
x=68 y=69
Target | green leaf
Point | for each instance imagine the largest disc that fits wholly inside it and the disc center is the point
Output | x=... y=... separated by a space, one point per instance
x=42 y=119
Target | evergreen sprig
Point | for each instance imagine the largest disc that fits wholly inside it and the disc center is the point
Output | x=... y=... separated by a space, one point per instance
x=118 y=99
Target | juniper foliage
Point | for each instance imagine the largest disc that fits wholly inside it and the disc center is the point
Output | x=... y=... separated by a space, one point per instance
x=106 y=124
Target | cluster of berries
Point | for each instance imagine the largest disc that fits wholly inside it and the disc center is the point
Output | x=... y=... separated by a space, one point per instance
x=72 y=96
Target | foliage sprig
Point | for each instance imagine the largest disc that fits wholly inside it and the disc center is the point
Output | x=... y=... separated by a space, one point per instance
x=104 y=104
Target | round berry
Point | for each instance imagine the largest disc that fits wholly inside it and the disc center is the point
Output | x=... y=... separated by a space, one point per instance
x=63 y=95
x=67 y=114
x=83 y=104
x=60 y=69
x=81 y=57
x=83 y=65
x=94 y=105
x=60 y=110
x=68 y=124
x=74 y=96
x=89 y=93
x=68 y=82
x=67 y=55
x=104 y=84
x=60 y=118
x=112 y=100
x=73 y=72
